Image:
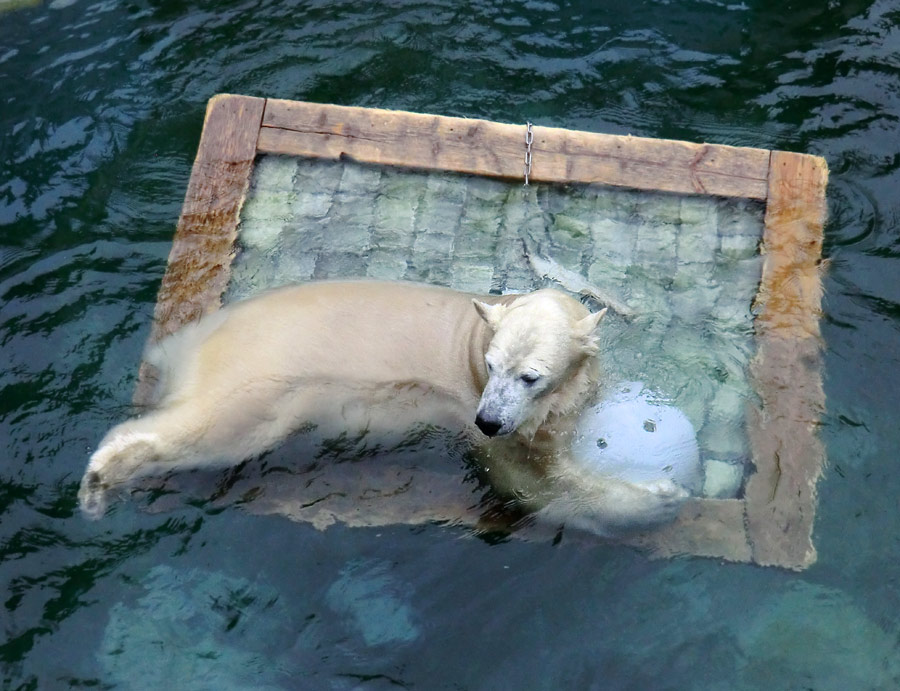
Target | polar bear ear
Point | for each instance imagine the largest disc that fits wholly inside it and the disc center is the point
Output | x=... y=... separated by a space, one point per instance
x=490 y=313
x=586 y=330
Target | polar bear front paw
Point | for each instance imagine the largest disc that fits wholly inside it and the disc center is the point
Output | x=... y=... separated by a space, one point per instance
x=667 y=489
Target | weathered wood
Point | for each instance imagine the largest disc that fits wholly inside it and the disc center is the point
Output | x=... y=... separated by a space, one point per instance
x=790 y=294
x=780 y=496
x=365 y=493
x=480 y=147
x=789 y=457
x=200 y=261
x=375 y=492
x=199 y=264
x=704 y=528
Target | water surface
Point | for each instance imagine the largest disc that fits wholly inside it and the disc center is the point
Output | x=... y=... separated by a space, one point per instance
x=100 y=112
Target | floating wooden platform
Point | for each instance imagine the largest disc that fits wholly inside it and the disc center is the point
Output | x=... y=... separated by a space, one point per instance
x=772 y=524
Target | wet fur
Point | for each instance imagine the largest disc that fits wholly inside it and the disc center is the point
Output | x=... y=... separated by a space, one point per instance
x=379 y=357
x=336 y=355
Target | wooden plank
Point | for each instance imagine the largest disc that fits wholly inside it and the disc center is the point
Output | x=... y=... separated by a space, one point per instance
x=199 y=264
x=200 y=260
x=704 y=528
x=493 y=149
x=789 y=457
x=374 y=492
x=780 y=496
x=790 y=294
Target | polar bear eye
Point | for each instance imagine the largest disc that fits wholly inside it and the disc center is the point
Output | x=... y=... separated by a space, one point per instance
x=530 y=377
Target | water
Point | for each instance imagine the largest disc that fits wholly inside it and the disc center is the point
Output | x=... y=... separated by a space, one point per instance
x=101 y=108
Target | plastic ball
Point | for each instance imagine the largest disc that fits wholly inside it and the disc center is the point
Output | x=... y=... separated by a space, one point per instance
x=632 y=435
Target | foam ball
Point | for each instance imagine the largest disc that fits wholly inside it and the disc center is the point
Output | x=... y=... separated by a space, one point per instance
x=633 y=435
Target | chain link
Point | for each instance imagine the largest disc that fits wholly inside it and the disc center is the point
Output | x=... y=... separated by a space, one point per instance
x=529 y=138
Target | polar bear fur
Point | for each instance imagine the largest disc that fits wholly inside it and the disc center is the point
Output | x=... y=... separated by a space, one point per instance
x=374 y=356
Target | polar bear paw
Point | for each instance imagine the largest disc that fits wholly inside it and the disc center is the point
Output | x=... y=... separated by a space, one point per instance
x=121 y=457
x=92 y=496
x=665 y=488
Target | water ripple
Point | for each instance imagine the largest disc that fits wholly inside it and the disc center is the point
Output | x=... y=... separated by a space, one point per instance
x=101 y=108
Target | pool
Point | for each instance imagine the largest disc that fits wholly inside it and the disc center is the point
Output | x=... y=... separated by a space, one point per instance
x=96 y=156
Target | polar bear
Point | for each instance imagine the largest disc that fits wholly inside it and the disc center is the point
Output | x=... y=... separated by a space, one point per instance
x=512 y=372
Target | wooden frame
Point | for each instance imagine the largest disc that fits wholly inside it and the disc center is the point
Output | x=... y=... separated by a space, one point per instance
x=772 y=524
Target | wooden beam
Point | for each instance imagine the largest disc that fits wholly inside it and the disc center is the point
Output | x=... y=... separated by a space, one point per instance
x=790 y=294
x=789 y=457
x=704 y=528
x=199 y=264
x=200 y=260
x=479 y=147
x=780 y=497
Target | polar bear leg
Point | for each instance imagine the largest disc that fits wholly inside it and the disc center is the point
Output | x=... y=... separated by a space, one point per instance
x=136 y=448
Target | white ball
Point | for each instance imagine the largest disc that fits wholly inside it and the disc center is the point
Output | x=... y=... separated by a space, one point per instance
x=632 y=436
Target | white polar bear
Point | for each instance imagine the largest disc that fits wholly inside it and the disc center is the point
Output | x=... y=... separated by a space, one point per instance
x=380 y=357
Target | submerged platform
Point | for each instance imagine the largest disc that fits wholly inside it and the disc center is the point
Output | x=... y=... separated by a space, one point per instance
x=708 y=254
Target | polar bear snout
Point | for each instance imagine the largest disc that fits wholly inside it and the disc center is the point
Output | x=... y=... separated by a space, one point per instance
x=502 y=407
x=489 y=427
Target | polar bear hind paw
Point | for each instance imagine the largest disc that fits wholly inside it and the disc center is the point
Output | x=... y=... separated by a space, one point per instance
x=92 y=496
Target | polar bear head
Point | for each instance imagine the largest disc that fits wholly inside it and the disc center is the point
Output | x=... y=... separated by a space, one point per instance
x=539 y=361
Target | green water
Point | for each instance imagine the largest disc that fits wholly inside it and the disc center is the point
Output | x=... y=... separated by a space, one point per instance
x=100 y=111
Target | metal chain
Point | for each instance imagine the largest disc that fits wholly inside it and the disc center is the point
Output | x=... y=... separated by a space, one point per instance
x=529 y=137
